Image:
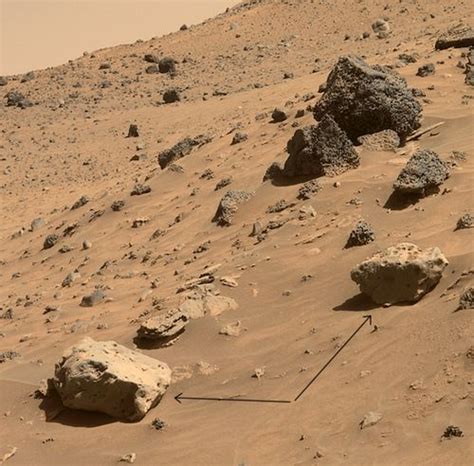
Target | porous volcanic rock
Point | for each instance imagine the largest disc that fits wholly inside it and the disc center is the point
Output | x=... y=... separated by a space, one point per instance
x=110 y=378
x=320 y=150
x=401 y=273
x=365 y=99
x=228 y=206
x=422 y=174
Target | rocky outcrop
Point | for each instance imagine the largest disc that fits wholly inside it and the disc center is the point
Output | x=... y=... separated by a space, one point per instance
x=110 y=378
x=229 y=205
x=322 y=150
x=422 y=174
x=181 y=149
x=460 y=36
x=401 y=273
x=363 y=99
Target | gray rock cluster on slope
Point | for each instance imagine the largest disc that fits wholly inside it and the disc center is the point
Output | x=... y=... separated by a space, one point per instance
x=110 y=378
x=423 y=173
x=320 y=150
x=229 y=205
x=401 y=273
x=365 y=99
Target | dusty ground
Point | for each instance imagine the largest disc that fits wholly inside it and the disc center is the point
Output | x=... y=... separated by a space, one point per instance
x=413 y=369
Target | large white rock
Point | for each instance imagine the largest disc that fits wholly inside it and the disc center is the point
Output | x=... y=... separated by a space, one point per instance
x=401 y=273
x=110 y=378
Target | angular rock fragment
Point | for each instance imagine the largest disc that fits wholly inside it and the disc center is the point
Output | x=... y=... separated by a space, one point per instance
x=238 y=138
x=422 y=174
x=82 y=201
x=401 y=273
x=381 y=28
x=279 y=115
x=361 y=235
x=8 y=356
x=133 y=131
x=167 y=65
x=70 y=278
x=163 y=327
x=322 y=150
x=140 y=189
x=466 y=300
x=181 y=149
x=460 y=36
x=17 y=99
x=228 y=206
x=426 y=70
x=370 y=419
x=117 y=206
x=464 y=222
x=50 y=241
x=309 y=189
x=365 y=99
x=110 y=378
x=171 y=95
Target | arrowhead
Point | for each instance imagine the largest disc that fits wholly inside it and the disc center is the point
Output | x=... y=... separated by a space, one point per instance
x=177 y=397
x=369 y=318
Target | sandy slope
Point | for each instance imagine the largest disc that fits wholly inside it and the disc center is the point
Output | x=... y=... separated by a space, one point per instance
x=51 y=155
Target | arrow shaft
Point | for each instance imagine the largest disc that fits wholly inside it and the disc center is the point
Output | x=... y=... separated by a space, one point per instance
x=243 y=400
x=331 y=359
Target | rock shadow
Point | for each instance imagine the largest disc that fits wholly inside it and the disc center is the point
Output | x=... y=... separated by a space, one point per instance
x=56 y=412
x=358 y=303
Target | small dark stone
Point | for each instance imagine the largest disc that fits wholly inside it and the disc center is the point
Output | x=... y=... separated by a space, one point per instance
x=239 y=137
x=133 y=131
x=181 y=149
x=184 y=27
x=223 y=183
x=117 y=206
x=157 y=423
x=83 y=200
x=152 y=69
x=426 y=70
x=150 y=58
x=140 y=189
x=167 y=65
x=3 y=81
x=228 y=206
x=8 y=356
x=466 y=300
x=170 y=96
x=466 y=221
x=309 y=189
x=361 y=235
x=279 y=115
x=452 y=431
x=50 y=241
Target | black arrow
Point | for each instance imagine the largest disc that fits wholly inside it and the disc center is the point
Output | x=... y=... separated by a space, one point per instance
x=366 y=319
x=178 y=398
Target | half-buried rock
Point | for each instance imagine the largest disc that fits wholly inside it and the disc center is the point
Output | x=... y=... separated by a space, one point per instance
x=365 y=99
x=323 y=150
x=165 y=327
x=229 y=205
x=422 y=174
x=401 y=273
x=110 y=378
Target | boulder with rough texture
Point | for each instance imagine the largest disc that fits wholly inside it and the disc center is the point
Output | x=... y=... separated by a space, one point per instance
x=181 y=149
x=164 y=326
x=365 y=99
x=386 y=140
x=466 y=300
x=401 y=273
x=110 y=378
x=167 y=65
x=361 y=235
x=171 y=95
x=465 y=222
x=322 y=150
x=460 y=36
x=229 y=205
x=422 y=174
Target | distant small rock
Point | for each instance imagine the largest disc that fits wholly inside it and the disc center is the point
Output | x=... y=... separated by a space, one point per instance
x=466 y=300
x=426 y=70
x=140 y=189
x=117 y=206
x=223 y=183
x=279 y=115
x=8 y=356
x=163 y=327
x=171 y=95
x=93 y=299
x=3 y=81
x=464 y=222
x=133 y=131
x=370 y=419
x=128 y=458
x=309 y=189
x=82 y=201
x=239 y=137
x=167 y=65
x=37 y=223
x=151 y=58
x=381 y=28
x=17 y=99
x=232 y=330
x=50 y=241
x=452 y=431
x=228 y=206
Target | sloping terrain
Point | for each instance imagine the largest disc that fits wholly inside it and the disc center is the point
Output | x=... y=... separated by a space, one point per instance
x=297 y=303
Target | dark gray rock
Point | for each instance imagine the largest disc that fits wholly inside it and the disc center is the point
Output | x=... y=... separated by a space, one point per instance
x=239 y=137
x=323 y=150
x=181 y=149
x=133 y=131
x=228 y=206
x=279 y=115
x=223 y=183
x=464 y=222
x=93 y=299
x=82 y=201
x=422 y=174
x=117 y=206
x=50 y=241
x=426 y=70
x=17 y=99
x=273 y=172
x=408 y=57
x=309 y=189
x=8 y=356
x=167 y=65
x=3 y=81
x=361 y=235
x=150 y=58
x=171 y=95
x=466 y=300
x=364 y=100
